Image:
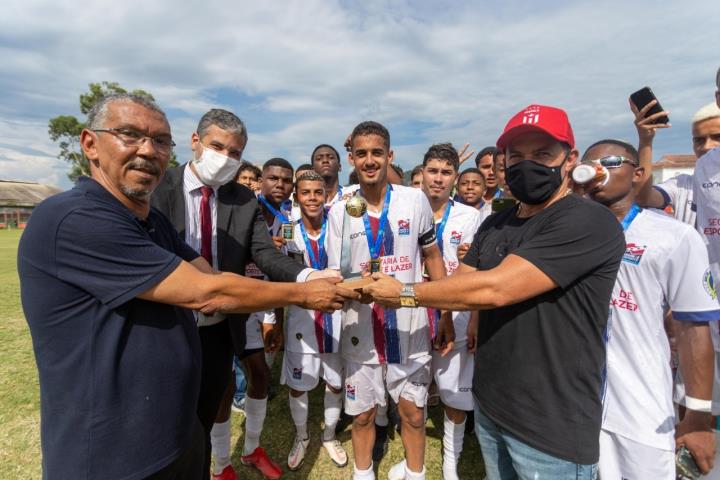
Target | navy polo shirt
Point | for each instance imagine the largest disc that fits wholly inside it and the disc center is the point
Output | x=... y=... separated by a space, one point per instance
x=119 y=376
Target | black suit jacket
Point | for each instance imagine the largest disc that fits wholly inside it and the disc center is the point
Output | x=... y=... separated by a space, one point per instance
x=242 y=235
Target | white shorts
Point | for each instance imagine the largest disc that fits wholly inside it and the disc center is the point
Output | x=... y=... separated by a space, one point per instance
x=253 y=329
x=302 y=371
x=621 y=457
x=365 y=384
x=453 y=375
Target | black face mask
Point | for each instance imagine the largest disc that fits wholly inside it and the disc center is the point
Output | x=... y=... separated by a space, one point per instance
x=533 y=183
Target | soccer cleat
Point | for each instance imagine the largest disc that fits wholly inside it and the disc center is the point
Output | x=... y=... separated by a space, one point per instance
x=397 y=471
x=381 y=443
x=228 y=473
x=297 y=453
x=260 y=460
x=336 y=451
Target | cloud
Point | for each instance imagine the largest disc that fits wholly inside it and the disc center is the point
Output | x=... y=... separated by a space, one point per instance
x=305 y=73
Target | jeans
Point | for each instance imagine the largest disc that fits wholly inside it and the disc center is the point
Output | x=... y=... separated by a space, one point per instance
x=240 y=381
x=507 y=458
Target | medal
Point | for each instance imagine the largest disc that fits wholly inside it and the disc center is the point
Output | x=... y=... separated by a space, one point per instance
x=375 y=244
x=287 y=231
x=356 y=206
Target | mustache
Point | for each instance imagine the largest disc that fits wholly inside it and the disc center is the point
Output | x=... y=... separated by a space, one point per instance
x=146 y=165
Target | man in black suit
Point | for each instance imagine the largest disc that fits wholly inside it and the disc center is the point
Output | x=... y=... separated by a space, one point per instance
x=223 y=221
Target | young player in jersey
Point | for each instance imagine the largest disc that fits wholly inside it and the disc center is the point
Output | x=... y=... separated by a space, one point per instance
x=326 y=162
x=455 y=226
x=312 y=348
x=385 y=348
x=665 y=264
x=265 y=329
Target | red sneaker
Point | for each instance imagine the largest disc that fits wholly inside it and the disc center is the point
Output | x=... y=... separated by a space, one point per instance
x=260 y=460
x=228 y=473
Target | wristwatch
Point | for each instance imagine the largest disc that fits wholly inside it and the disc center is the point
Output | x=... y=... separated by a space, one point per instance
x=407 y=296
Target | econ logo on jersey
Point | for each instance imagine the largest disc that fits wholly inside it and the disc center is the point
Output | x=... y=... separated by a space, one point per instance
x=633 y=253
x=709 y=284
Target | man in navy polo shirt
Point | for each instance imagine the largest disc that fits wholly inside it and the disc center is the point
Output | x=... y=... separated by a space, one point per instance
x=105 y=281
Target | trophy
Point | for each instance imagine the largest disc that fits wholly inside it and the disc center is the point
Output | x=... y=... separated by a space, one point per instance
x=355 y=207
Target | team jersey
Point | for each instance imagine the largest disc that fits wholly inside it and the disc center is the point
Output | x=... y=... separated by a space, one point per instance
x=252 y=271
x=678 y=192
x=462 y=223
x=310 y=331
x=372 y=334
x=665 y=264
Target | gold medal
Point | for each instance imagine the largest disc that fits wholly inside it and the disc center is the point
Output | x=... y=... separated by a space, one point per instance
x=287 y=231
x=375 y=264
x=356 y=206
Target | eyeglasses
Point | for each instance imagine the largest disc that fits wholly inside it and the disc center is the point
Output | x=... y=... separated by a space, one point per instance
x=133 y=138
x=613 y=161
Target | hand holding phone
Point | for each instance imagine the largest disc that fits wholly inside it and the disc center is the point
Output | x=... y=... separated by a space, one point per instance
x=642 y=98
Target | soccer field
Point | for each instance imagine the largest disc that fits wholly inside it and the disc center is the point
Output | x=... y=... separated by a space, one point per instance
x=20 y=404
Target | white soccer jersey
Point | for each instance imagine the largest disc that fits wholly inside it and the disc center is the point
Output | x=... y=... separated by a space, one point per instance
x=665 y=263
x=310 y=331
x=462 y=223
x=373 y=334
x=678 y=192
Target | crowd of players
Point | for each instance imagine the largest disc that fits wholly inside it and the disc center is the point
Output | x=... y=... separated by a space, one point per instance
x=379 y=364
x=460 y=199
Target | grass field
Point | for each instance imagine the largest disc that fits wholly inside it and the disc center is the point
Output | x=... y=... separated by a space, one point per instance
x=20 y=404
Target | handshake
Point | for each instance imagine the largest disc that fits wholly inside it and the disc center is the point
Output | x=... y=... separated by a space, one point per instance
x=327 y=291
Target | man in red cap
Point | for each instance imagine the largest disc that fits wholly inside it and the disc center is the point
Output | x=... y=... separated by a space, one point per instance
x=541 y=274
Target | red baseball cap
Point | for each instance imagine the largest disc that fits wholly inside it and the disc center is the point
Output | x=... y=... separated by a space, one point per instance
x=538 y=118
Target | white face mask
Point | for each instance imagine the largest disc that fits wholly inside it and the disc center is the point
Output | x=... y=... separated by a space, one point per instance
x=215 y=169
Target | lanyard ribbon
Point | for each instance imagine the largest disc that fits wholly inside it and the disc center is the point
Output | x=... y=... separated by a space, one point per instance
x=374 y=244
x=440 y=227
x=277 y=213
x=319 y=262
x=630 y=216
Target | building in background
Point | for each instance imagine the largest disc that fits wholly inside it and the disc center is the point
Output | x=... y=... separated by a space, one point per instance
x=18 y=199
x=672 y=165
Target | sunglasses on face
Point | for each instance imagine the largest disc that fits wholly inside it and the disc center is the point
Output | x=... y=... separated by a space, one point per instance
x=613 y=161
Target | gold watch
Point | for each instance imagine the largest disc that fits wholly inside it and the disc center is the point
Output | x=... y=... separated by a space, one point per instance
x=407 y=296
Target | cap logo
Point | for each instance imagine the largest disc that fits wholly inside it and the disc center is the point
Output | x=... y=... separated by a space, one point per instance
x=531 y=115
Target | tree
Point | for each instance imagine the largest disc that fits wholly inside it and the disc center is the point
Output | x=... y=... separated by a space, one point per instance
x=66 y=129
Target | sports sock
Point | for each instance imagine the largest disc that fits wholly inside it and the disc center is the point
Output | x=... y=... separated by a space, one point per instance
x=368 y=474
x=333 y=404
x=410 y=475
x=299 y=413
x=255 y=411
x=220 y=442
x=453 y=434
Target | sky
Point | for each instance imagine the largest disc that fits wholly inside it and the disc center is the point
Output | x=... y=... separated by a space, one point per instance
x=306 y=72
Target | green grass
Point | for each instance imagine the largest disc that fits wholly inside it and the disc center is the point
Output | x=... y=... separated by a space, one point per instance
x=20 y=404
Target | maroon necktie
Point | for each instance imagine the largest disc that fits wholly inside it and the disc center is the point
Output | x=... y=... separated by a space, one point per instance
x=206 y=224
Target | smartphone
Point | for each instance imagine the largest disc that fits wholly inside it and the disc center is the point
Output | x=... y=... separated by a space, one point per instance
x=500 y=204
x=685 y=465
x=644 y=96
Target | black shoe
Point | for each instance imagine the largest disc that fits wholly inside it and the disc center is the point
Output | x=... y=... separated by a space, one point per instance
x=344 y=422
x=381 y=443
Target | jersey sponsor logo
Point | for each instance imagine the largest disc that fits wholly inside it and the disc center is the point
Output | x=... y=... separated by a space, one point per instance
x=455 y=237
x=297 y=373
x=350 y=392
x=465 y=389
x=391 y=264
x=404 y=227
x=633 y=253
x=625 y=301
x=713 y=227
x=709 y=284
x=711 y=184
x=353 y=236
